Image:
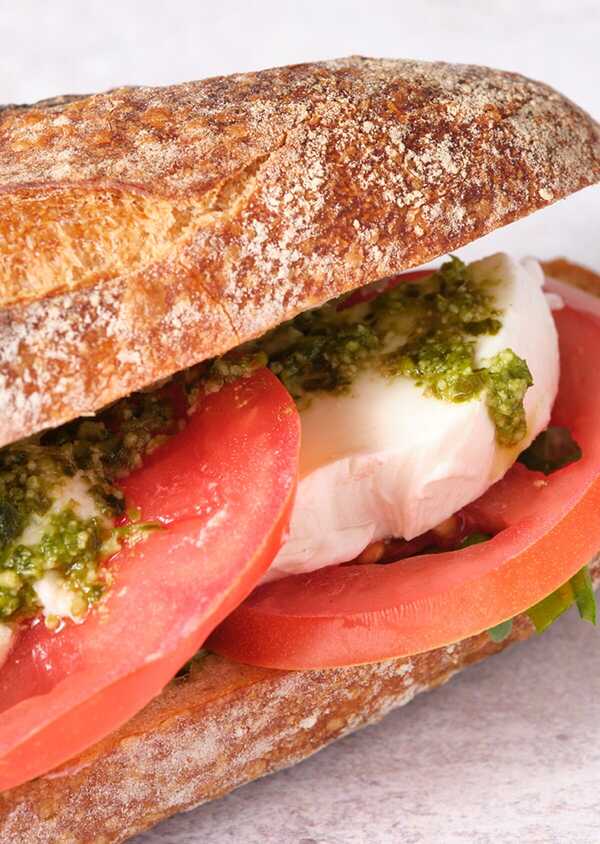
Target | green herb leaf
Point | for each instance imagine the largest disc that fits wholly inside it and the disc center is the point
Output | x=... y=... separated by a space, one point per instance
x=474 y=539
x=585 y=597
x=551 y=450
x=545 y=613
x=187 y=667
x=501 y=631
x=134 y=532
x=578 y=590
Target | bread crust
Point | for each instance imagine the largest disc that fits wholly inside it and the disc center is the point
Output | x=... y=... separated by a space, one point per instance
x=225 y=724
x=220 y=727
x=145 y=229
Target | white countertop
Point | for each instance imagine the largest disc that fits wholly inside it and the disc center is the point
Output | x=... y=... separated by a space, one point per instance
x=510 y=750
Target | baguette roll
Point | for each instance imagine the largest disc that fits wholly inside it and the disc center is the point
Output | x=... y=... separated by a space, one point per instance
x=146 y=229
x=220 y=727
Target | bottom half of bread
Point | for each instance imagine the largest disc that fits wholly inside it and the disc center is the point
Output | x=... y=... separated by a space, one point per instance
x=219 y=726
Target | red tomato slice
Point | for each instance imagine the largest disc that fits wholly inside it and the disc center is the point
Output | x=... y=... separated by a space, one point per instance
x=550 y=528
x=223 y=488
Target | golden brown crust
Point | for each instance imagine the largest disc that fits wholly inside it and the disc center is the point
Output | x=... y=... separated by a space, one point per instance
x=205 y=735
x=145 y=229
x=220 y=727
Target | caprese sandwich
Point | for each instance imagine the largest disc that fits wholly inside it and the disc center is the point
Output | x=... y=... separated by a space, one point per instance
x=238 y=429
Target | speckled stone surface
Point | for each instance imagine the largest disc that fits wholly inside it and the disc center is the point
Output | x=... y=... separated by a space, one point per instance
x=509 y=751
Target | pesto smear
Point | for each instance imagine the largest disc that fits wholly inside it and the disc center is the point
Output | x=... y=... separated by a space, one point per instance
x=59 y=504
x=59 y=499
x=426 y=331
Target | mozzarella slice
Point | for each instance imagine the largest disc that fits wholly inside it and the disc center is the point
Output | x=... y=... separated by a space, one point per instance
x=74 y=492
x=58 y=601
x=7 y=640
x=386 y=460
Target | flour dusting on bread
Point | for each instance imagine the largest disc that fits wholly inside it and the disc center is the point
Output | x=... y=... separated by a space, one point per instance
x=169 y=224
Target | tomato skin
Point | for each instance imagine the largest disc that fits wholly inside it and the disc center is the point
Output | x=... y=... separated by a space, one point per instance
x=235 y=465
x=347 y=615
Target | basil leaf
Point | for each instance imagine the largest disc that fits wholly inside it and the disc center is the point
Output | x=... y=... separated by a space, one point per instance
x=585 y=597
x=551 y=450
x=501 y=631
x=474 y=539
x=578 y=590
x=545 y=613
x=197 y=658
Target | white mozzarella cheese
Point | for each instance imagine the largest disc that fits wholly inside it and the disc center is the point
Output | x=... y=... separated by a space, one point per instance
x=387 y=460
x=7 y=639
x=73 y=492
x=56 y=598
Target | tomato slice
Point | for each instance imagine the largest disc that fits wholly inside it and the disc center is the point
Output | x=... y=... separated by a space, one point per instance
x=223 y=489
x=549 y=528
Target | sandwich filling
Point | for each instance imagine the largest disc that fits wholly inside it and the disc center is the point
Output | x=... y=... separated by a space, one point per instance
x=401 y=465
x=62 y=514
x=464 y=379
x=413 y=401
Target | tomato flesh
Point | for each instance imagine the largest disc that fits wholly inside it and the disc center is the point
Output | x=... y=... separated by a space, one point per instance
x=548 y=529
x=223 y=489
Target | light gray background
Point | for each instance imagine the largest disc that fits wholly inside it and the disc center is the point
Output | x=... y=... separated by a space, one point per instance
x=510 y=751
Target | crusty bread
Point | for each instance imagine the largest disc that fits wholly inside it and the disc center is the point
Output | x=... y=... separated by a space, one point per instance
x=208 y=733
x=220 y=727
x=145 y=229
x=225 y=724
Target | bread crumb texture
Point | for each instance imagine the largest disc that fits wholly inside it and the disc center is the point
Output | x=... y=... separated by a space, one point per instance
x=144 y=229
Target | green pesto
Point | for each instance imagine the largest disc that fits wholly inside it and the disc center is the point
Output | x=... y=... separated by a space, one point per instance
x=70 y=546
x=97 y=451
x=426 y=331
x=507 y=379
x=327 y=356
x=217 y=372
x=112 y=443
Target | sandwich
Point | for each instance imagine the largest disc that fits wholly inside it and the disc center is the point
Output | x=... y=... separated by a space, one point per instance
x=261 y=478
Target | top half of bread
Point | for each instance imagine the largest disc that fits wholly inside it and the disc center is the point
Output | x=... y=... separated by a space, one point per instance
x=145 y=229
